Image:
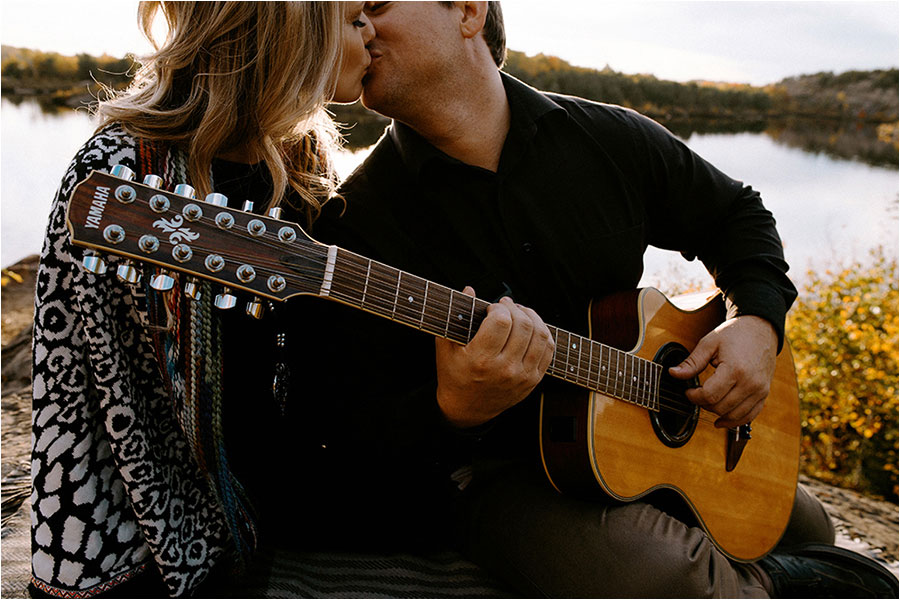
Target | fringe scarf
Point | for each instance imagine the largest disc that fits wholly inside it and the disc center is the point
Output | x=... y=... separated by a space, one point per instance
x=188 y=341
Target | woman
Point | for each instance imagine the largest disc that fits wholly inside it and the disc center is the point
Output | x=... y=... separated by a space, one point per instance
x=233 y=99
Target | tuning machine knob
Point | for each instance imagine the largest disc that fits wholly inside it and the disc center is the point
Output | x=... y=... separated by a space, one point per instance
x=183 y=189
x=217 y=199
x=122 y=172
x=154 y=181
x=162 y=282
x=93 y=263
x=192 y=288
x=225 y=300
x=127 y=273
x=255 y=308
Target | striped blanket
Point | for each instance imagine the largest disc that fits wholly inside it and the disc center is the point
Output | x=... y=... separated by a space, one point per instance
x=284 y=574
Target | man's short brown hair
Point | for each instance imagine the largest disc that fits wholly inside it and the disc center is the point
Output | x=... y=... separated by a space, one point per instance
x=494 y=31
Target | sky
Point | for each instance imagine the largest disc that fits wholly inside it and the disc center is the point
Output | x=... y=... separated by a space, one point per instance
x=756 y=42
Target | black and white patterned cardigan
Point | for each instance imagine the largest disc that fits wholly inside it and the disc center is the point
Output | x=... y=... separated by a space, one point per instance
x=116 y=489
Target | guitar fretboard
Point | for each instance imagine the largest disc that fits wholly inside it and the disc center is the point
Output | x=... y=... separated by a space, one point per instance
x=436 y=309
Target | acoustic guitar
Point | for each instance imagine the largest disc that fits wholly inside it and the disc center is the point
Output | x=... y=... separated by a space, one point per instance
x=613 y=421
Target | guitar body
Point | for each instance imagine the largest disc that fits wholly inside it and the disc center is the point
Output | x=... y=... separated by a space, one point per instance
x=590 y=441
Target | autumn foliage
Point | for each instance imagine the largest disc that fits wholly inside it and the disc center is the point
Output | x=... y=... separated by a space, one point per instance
x=844 y=333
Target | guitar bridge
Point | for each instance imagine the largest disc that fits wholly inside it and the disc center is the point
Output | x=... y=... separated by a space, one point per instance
x=737 y=439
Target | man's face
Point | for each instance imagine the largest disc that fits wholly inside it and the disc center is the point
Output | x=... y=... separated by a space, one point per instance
x=413 y=45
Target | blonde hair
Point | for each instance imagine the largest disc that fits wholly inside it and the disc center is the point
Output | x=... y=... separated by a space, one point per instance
x=244 y=76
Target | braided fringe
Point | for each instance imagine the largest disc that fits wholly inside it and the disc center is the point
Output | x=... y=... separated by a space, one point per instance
x=193 y=354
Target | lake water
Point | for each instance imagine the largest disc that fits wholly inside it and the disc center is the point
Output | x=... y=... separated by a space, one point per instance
x=831 y=207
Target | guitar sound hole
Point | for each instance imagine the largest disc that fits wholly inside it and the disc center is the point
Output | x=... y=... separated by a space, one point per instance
x=676 y=420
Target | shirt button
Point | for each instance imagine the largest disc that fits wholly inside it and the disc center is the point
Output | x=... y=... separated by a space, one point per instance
x=527 y=247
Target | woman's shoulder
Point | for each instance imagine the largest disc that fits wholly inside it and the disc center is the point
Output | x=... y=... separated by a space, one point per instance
x=108 y=146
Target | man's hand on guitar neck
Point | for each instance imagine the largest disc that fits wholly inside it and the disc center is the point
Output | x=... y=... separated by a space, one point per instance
x=743 y=351
x=497 y=369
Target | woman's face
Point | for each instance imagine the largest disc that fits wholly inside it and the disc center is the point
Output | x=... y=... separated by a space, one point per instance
x=357 y=32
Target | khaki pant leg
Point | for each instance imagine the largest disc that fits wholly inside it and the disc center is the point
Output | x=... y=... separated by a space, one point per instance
x=551 y=545
x=809 y=522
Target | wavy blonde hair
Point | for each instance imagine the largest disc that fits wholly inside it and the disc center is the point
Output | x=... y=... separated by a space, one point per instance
x=248 y=77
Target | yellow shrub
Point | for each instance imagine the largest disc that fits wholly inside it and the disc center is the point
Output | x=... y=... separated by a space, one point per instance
x=844 y=333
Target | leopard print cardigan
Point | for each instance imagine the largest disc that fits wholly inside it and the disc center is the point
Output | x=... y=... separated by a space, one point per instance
x=116 y=483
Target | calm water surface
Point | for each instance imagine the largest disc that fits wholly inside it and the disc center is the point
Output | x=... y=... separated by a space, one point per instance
x=829 y=210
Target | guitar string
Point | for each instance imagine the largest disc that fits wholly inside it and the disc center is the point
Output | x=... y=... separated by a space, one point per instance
x=353 y=273
x=610 y=380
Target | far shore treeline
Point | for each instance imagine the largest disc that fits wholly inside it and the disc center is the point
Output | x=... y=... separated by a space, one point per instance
x=864 y=96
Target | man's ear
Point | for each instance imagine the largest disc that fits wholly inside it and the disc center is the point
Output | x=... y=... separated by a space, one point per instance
x=473 y=16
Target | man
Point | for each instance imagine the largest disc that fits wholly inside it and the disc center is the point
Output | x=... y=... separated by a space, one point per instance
x=546 y=202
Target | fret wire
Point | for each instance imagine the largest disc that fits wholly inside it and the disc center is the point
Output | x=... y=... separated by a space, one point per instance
x=471 y=318
x=396 y=295
x=555 y=333
x=636 y=381
x=582 y=373
x=616 y=385
x=449 y=313
x=641 y=390
x=645 y=377
x=628 y=387
x=604 y=366
x=424 y=304
x=642 y=387
x=578 y=348
x=366 y=285
x=590 y=361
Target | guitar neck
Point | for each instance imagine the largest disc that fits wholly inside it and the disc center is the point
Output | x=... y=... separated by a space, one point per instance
x=408 y=299
x=277 y=259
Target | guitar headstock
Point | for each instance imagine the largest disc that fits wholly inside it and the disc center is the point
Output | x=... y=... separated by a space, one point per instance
x=259 y=254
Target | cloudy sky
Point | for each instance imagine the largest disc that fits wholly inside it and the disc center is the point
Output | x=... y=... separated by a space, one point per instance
x=750 y=42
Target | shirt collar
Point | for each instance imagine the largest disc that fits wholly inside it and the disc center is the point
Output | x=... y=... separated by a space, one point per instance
x=526 y=104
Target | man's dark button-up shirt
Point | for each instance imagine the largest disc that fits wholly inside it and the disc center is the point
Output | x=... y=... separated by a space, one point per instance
x=580 y=192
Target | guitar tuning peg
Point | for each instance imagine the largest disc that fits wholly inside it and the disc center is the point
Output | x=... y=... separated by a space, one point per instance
x=225 y=300
x=122 y=172
x=93 y=263
x=127 y=273
x=255 y=308
x=154 y=181
x=162 y=282
x=183 y=189
x=248 y=206
x=275 y=212
x=217 y=199
x=192 y=289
